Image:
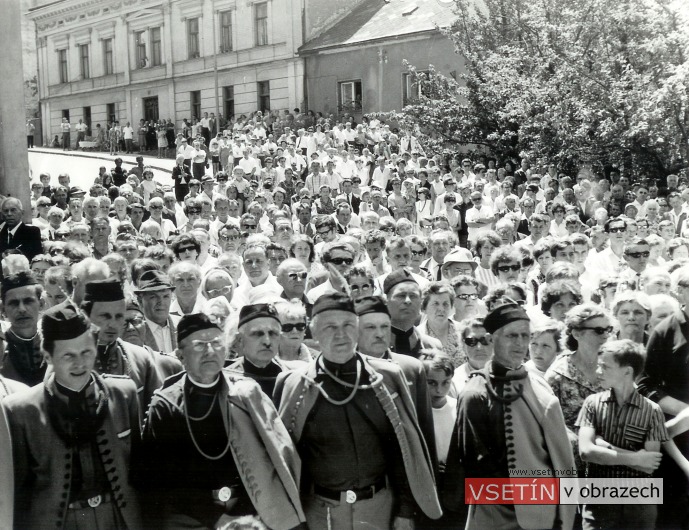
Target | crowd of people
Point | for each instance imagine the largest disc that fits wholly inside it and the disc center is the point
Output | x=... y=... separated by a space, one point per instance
x=314 y=323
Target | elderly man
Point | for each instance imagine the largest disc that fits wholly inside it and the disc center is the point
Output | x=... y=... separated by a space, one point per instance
x=365 y=459
x=105 y=306
x=155 y=296
x=14 y=234
x=87 y=270
x=258 y=340
x=74 y=436
x=509 y=420
x=22 y=302
x=338 y=257
x=232 y=453
x=404 y=304
x=375 y=334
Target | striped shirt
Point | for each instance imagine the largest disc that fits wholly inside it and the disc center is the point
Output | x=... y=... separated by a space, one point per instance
x=629 y=426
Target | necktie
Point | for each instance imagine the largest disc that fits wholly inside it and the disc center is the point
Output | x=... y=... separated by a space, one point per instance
x=349 y=199
x=438 y=276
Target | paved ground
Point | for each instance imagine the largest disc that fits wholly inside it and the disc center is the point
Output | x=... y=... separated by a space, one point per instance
x=83 y=166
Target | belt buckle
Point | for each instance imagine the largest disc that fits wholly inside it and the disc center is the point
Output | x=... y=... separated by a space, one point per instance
x=350 y=497
x=94 y=502
x=225 y=494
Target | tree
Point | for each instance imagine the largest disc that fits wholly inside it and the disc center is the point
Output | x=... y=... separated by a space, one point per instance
x=596 y=82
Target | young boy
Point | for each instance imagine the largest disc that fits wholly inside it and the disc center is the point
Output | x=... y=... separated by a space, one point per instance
x=630 y=430
x=439 y=372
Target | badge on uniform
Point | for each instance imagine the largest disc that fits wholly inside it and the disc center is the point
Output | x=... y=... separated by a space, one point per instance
x=94 y=502
x=225 y=494
x=350 y=497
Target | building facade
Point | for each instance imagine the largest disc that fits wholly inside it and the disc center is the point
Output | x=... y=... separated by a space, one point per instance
x=356 y=65
x=126 y=60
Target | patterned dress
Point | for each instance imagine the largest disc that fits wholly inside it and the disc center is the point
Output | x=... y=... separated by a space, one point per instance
x=452 y=345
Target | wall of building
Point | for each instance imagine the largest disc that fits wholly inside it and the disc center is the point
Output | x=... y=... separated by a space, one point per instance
x=381 y=80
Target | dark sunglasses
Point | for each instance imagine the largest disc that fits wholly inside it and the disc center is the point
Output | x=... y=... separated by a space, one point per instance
x=508 y=268
x=599 y=330
x=473 y=341
x=465 y=296
x=193 y=211
x=229 y=238
x=155 y=207
x=637 y=255
x=617 y=229
x=289 y=327
x=342 y=261
x=388 y=229
x=297 y=275
x=186 y=249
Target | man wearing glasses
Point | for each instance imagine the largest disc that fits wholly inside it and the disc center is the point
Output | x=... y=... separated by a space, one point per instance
x=258 y=341
x=610 y=261
x=234 y=457
x=338 y=258
x=636 y=254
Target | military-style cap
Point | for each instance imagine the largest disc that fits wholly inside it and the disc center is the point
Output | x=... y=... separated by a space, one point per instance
x=109 y=290
x=153 y=281
x=371 y=304
x=333 y=302
x=64 y=322
x=395 y=277
x=14 y=281
x=253 y=311
x=503 y=315
x=189 y=324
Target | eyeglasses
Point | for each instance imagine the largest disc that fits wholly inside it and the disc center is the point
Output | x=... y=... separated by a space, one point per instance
x=617 y=229
x=286 y=328
x=388 y=229
x=284 y=228
x=201 y=346
x=153 y=207
x=418 y=252
x=193 y=211
x=473 y=341
x=599 y=330
x=637 y=255
x=186 y=249
x=360 y=288
x=294 y=276
x=464 y=296
x=508 y=268
x=135 y=321
x=229 y=238
x=342 y=261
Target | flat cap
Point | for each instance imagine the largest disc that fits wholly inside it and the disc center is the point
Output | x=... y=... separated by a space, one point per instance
x=153 y=281
x=109 y=290
x=64 y=322
x=189 y=324
x=396 y=277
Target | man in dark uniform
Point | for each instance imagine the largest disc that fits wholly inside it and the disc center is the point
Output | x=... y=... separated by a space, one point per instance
x=22 y=302
x=104 y=304
x=404 y=303
x=74 y=436
x=259 y=340
x=366 y=463
x=374 y=340
x=495 y=402
x=14 y=234
x=214 y=446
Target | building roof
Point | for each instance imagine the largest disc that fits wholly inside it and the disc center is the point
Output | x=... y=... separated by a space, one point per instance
x=380 y=19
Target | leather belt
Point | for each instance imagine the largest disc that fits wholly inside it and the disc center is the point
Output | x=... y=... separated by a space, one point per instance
x=351 y=496
x=93 y=502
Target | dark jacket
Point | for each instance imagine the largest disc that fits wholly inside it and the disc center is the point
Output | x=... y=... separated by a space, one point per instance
x=27 y=239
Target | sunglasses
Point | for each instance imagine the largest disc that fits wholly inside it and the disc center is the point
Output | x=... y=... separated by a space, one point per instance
x=193 y=211
x=186 y=249
x=229 y=238
x=508 y=268
x=617 y=229
x=388 y=229
x=342 y=261
x=637 y=255
x=153 y=207
x=289 y=327
x=599 y=330
x=472 y=341
x=464 y=296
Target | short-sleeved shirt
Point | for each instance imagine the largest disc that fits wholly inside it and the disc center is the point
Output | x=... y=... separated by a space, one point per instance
x=629 y=426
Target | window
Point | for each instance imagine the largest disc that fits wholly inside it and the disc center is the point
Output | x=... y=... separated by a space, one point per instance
x=193 y=37
x=86 y=113
x=65 y=113
x=350 y=96
x=140 y=47
x=110 y=111
x=108 y=67
x=156 y=47
x=195 y=103
x=263 y=96
x=410 y=89
x=84 y=61
x=226 y=31
x=228 y=101
x=261 y=19
x=62 y=66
